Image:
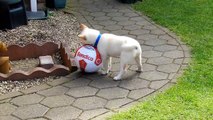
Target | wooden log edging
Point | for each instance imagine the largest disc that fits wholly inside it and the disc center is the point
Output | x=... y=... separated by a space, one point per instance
x=16 y=52
x=31 y=50
x=38 y=72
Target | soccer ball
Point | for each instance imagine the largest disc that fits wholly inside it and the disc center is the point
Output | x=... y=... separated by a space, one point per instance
x=88 y=59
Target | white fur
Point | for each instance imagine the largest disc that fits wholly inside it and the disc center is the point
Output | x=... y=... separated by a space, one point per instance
x=128 y=49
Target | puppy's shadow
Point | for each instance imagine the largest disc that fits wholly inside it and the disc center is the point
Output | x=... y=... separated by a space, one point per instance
x=129 y=75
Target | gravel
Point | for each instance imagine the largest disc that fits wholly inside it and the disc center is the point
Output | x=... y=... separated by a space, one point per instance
x=59 y=27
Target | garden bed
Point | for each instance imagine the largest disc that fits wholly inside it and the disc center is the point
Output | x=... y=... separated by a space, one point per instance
x=60 y=27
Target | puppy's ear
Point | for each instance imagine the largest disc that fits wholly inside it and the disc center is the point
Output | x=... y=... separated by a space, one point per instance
x=82 y=26
x=82 y=37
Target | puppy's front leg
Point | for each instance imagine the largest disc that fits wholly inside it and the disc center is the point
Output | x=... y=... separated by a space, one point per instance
x=109 y=64
x=106 y=65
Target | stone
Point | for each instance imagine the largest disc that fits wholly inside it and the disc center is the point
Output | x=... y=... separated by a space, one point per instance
x=134 y=84
x=131 y=14
x=86 y=115
x=158 y=84
x=157 y=32
x=137 y=94
x=35 y=89
x=104 y=116
x=172 y=42
x=88 y=103
x=155 y=42
x=174 y=54
x=150 y=27
x=160 y=61
x=124 y=23
x=143 y=23
x=154 y=75
x=38 y=119
x=147 y=37
x=27 y=99
x=132 y=27
x=151 y=54
x=10 y=95
x=169 y=68
x=120 y=18
x=58 y=90
x=112 y=14
x=8 y=118
x=101 y=18
x=63 y=113
x=166 y=37
x=82 y=91
x=164 y=48
x=112 y=93
x=5 y=100
x=97 y=14
x=77 y=83
x=98 y=26
x=117 y=103
x=58 y=101
x=31 y=111
x=107 y=23
x=112 y=27
x=146 y=48
x=59 y=81
x=103 y=83
x=139 y=32
x=146 y=67
x=6 y=109
x=137 y=19
x=46 y=61
x=120 y=32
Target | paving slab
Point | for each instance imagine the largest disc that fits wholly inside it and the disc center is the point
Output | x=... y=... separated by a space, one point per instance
x=82 y=91
x=112 y=93
x=8 y=118
x=30 y=111
x=63 y=113
x=7 y=109
x=89 y=103
x=57 y=101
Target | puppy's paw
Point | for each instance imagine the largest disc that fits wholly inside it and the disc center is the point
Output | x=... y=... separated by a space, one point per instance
x=104 y=73
x=117 y=78
x=139 y=70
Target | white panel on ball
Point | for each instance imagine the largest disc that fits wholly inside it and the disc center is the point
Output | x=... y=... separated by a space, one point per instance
x=88 y=59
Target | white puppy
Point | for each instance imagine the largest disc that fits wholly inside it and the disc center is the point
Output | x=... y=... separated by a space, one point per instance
x=109 y=45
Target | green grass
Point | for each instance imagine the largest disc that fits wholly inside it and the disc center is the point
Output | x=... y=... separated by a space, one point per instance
x=192 y=97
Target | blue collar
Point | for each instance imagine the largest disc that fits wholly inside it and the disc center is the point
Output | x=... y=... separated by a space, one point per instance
x=97 y=41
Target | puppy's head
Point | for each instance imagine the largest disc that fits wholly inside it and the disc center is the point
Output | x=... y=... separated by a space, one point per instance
x=88 y=35
x=3 y=47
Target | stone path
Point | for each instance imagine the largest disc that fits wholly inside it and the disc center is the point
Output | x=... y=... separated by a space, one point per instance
x=93 y=96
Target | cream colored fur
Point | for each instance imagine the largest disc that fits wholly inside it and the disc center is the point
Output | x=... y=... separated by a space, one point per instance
x=128 y=49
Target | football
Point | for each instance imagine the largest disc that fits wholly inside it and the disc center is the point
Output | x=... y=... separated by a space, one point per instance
x=88 y=59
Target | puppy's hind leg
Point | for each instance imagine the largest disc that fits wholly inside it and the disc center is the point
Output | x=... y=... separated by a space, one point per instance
x=122 y=71
x=138 y=60
x=123 y=65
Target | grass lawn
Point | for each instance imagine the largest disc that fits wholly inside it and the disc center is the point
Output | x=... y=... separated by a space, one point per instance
x=192 y=97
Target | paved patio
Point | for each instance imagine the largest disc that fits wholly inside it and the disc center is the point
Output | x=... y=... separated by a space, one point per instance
x=93 y=96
